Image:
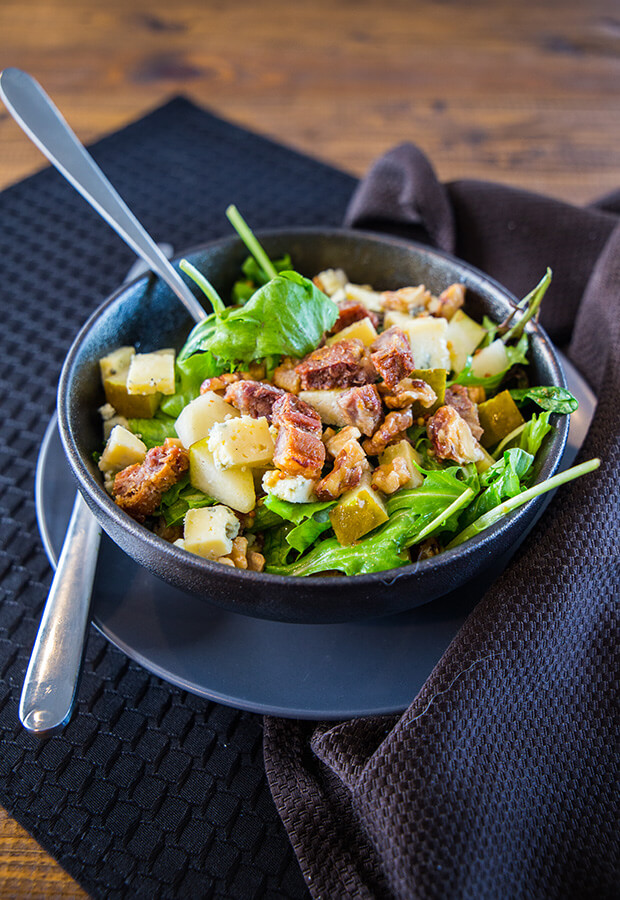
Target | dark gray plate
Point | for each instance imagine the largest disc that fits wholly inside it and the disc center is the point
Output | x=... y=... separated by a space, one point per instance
x=299 y=671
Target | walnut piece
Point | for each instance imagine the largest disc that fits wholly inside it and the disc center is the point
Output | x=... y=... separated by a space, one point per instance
x=242 y=557
x=407 y=392
x=451 y=437
x=393 y=429
x=391 y=476
x=406 y=300
x=448 y=301
x=349 y=467
x=336 y=440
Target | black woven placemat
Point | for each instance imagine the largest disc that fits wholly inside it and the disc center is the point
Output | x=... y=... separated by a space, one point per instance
x=149 y=791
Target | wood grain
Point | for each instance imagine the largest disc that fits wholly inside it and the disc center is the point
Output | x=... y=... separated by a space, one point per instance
x=525 y=93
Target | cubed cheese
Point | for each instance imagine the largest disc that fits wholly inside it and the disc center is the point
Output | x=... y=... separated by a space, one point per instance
x=294 y=488
x=428 y=338
x=115 y=362
x=242 y=441
x=122 y=449
x=151 y=373
x=363 y=330
x=209 y=531
x=198 y=418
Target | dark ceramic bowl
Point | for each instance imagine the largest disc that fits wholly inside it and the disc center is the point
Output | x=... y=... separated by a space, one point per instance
x=146 y=314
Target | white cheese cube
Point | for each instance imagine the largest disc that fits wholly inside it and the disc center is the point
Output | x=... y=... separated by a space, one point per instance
x=363 y=330
x=198 y=418
x=209 y=531
x=122 y=449
x=233 y=486
x=151 y=373
x=491 y=360
x=116 y=362
x=294 y=488
x=243 y=441
x=326 y=404
x=429 y=343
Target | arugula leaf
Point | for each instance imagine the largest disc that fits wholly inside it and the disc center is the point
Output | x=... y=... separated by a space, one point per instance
x=439 y=488
x=295 y=512
x=534 y=432
x=153 y=432
x=179 y=498
x=555 y=399
x=305 y=534
x=494 y=515
x=385 y=548
x=500 y=481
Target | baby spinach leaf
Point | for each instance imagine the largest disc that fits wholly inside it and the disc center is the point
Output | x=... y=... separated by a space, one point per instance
x=555 y=399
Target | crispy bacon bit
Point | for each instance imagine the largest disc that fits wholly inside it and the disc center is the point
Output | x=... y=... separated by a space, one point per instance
x=448 y=301
x=138 y=489
x=349 y=466
x=391 y=476
x=220 y=382
x=290 y=411
x=458 y=398
x=343 y=364
x=451 y=437
x=286 y=377
x=253 y=398
x=407 y=299
x=335 y=441
x=391 y=356
x=393 y=429
x=352 y=311
x=407 y=392
x=362 y=407
x=299 y=452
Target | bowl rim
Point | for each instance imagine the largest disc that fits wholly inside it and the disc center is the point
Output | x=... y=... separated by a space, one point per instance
x=94 y=491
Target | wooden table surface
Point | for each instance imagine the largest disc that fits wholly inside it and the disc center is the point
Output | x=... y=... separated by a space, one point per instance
x=525 y=92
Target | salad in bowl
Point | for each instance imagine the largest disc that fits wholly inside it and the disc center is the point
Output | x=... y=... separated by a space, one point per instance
x=313 y=425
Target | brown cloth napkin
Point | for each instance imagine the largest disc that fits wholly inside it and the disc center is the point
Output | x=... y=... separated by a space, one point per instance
x=500 y=780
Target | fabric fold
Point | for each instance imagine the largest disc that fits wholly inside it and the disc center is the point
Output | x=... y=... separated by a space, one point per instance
x=497 y=781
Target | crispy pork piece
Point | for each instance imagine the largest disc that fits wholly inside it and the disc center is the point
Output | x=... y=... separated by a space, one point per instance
x=299 y=452
x=393 y=429
x=343 y=364
x=349 y=467
x=458 y=398
x=407 y=392
x=352 y=311
x=253 y=398
x=138 y=489
x=290 y=411
x=391 y=356
x=362 y=407
x=451 y=437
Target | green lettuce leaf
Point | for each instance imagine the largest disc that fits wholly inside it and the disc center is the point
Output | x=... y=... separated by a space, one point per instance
x=179 y=499
x=310 y=520
x=153 y=432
